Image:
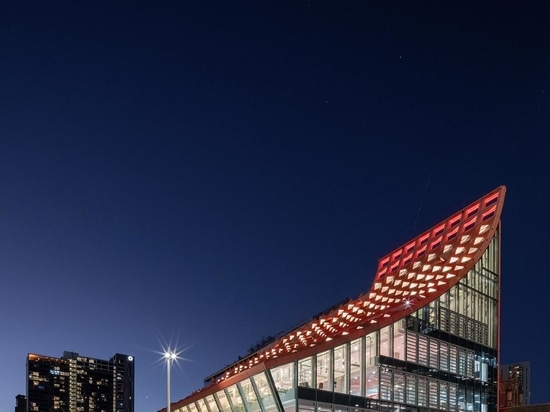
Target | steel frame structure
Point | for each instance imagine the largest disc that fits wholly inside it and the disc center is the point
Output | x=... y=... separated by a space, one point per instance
x=406 y=279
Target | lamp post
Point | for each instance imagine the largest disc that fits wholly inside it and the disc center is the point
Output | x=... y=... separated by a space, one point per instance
x=170 y=356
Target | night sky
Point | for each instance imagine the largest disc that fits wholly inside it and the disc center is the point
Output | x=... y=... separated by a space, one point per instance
x=209 y=173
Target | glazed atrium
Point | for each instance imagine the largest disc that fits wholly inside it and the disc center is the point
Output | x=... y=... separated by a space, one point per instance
x=424 y=337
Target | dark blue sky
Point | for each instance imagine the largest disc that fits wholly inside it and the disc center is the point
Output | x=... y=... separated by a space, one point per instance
x=207 y=174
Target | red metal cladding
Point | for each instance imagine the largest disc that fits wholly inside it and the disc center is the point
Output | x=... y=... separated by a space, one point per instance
x=406 y=279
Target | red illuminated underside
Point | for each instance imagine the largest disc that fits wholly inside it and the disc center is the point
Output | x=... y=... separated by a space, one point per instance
x=406 y=279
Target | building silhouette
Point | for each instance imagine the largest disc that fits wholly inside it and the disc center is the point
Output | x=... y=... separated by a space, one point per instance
x=75 y=383
x=424 y=337
x=20 y=403
x=516 y=383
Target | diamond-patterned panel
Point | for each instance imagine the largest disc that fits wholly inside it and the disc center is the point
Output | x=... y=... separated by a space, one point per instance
x=406 y=279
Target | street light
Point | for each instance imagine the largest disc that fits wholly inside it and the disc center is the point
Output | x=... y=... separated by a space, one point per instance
x=170 y=356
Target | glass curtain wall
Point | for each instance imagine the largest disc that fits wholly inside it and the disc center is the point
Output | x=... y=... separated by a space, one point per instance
x=442 y=357
x=257 y=394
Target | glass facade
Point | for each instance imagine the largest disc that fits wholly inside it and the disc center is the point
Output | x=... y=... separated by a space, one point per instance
x=425 y=337
x=443 y=356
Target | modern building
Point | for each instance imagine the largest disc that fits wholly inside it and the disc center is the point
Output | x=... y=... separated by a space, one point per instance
x=517 y=383
x=424 y=337
x=75 y=383
x=20 y=403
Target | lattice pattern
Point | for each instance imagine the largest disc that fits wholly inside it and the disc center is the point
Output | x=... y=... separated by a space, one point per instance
x=406 y=280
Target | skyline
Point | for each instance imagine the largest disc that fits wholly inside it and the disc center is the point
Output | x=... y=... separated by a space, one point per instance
x=203 y=175
x=181 y=359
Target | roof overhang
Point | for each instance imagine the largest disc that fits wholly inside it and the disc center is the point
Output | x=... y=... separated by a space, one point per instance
x=407 y=279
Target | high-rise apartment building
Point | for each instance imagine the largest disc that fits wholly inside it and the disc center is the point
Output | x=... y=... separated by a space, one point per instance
x=75 y=383
x=20 y=403
x=517 y=375
x=425 y=337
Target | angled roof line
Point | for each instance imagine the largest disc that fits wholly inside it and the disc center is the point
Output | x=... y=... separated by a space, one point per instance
x=406 y=279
